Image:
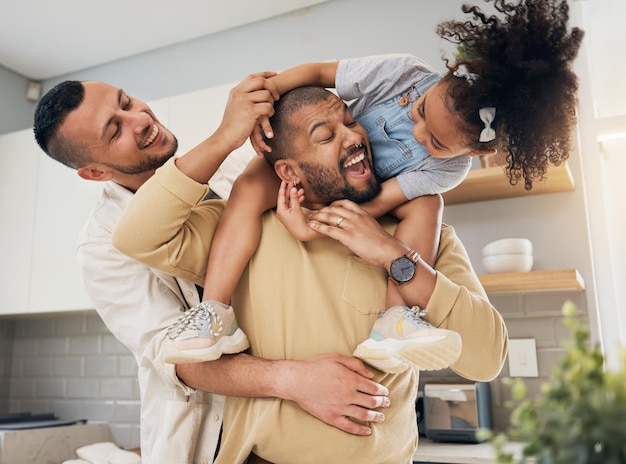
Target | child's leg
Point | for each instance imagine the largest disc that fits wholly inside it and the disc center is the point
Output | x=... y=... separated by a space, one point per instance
x=400 y=338
x=210 y=329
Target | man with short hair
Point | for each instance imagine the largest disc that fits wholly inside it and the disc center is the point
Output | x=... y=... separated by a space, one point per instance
x=298 y=299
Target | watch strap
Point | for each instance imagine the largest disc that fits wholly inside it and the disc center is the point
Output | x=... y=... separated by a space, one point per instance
x=413 y=256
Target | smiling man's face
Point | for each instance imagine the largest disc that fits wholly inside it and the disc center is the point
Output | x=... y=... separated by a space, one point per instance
x=118 y=131
x=333 y=159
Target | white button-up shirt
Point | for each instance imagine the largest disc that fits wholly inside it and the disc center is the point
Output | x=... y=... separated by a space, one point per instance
x=137 y=304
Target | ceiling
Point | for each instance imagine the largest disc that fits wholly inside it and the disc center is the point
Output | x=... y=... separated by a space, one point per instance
x=41 y=39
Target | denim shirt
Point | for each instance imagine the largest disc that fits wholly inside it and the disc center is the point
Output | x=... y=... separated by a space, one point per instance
x=389 y=126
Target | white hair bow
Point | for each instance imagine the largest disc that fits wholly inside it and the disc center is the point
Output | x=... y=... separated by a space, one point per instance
x=487 y=115
x=462 y=71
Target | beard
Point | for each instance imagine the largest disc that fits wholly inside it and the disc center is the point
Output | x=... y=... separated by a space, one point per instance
x=147 y=164
x=329 y=185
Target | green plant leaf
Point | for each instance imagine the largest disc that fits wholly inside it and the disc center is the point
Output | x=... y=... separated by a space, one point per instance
x=580 y=416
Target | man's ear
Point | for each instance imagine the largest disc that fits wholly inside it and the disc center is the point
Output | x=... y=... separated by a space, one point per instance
x=95 y=172
x=285 y=171
x=491 y=151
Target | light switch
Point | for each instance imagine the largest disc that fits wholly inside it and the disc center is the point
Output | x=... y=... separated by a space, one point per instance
x=523 y=358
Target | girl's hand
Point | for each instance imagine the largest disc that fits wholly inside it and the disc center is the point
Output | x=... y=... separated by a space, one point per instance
x=290 y=213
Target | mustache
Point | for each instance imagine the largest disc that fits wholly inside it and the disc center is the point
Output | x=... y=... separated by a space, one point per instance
x=354 y=149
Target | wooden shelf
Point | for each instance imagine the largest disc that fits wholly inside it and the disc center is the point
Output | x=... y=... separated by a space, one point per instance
x=482 y=184
x=534 y=281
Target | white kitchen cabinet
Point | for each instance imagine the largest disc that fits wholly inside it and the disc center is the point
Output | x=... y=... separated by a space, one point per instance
x=43 y=206
x=63 y=203
x=19 y=162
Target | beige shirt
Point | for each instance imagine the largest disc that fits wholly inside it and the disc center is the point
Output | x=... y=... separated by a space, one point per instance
x=300 y=299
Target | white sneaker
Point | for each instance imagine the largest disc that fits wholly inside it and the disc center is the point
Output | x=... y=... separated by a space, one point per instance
x=204 y=333
x=400 y=336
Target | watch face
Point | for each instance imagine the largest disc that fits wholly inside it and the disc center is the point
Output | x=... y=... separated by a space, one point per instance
x=402 y=269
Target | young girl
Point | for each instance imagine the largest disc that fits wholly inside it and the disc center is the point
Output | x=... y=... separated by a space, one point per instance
x=511 y=88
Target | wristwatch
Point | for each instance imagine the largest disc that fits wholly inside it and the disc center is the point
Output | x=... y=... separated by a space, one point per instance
x=402 y=269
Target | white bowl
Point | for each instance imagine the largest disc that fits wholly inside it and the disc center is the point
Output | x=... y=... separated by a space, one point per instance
x=509 y=246
x=514 y=262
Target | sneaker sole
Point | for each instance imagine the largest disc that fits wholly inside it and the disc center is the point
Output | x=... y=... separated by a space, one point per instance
x=231 y=344
x=390 y=365
x=430 y=354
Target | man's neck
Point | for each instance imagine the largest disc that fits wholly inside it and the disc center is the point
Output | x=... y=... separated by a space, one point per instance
x=132 y=182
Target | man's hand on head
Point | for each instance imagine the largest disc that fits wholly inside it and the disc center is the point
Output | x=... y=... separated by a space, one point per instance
x=249 y=103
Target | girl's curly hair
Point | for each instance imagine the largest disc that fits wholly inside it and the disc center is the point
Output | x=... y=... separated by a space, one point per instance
x=520 y=62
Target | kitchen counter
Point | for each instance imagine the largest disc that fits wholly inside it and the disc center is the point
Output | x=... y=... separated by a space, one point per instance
x=49 y=445
x=455 y=453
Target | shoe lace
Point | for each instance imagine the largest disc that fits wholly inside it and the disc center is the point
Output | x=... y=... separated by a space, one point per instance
x=415 y=314
x=202 y=318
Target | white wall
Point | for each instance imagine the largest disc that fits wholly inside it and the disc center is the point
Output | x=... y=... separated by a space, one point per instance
x=16 y=112
x=335 y=29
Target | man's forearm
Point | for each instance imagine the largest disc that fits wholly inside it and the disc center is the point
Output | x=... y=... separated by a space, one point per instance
x=203 y=161
x=334 y=388
x=233 y=375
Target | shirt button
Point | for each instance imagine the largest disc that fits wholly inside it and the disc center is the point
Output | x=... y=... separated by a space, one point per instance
x=404 y=100
x=188 y=294
x=216 y=418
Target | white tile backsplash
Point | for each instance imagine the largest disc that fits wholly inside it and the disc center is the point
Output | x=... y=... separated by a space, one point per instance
x=102 y=411
x=68 y=366
x=82 y=388
x=70 y=326
x=110 y=345
x=26 y=346
x=117 y=388
x=85 y=344
x=52 y=346
x=51 y=388
x=102 y=366
x=72 y=366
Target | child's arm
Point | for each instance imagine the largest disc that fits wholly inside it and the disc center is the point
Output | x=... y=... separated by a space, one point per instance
x=389 y=198
x=420 y=218
x=419 y=228
x=320 y=73
x=420 y=225
x=239 y=230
